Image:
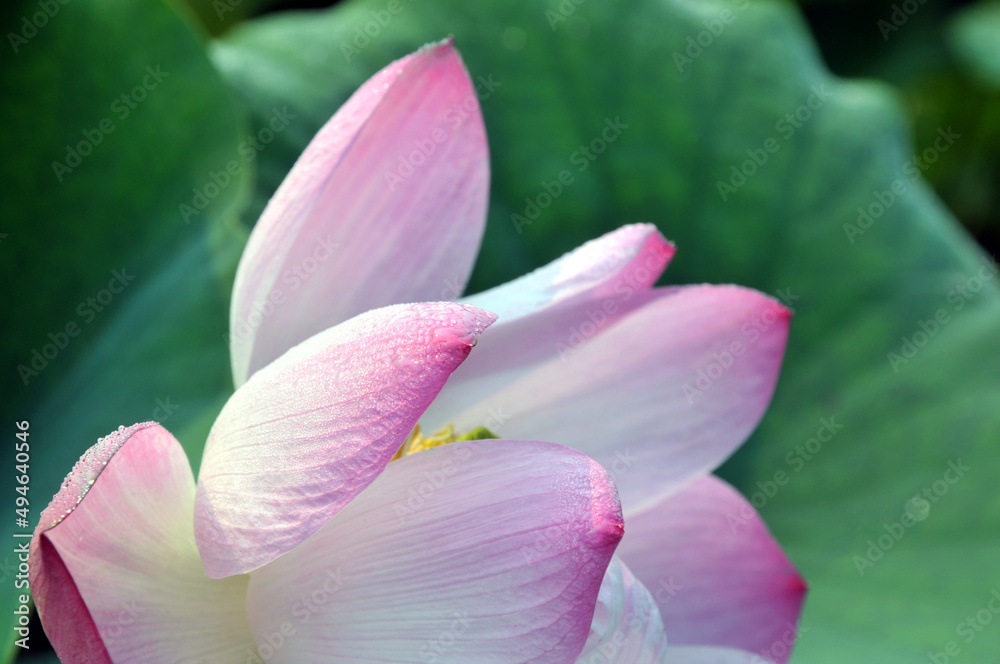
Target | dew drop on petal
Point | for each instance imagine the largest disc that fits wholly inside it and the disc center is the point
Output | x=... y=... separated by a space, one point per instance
x=84 y=474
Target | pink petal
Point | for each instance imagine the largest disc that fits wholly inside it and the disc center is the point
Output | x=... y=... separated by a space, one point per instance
x=703 y=655
x=631 y=258
x=386 y=205
x=114 y=569
x=539 y=310
x=627 y=627
x=308 y=432
x=718 y=576
x=657 y=394
x=478 y=551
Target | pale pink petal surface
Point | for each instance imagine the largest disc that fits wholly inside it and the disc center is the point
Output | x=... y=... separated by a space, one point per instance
x=121 y=571
x=718 y=575
x=478 y=551
x=307 y=433
x=627 y=627
x=631 y=258
x=658 y=396
x=536 y=310
x=409 y=145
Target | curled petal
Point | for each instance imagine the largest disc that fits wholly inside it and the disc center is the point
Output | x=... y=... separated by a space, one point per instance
x=114 y=569
x=536 y=312
x=386 y=205
x=308 y=432
x=659 y=395
x=627 y=627
x=477 y=551
x=632 y=257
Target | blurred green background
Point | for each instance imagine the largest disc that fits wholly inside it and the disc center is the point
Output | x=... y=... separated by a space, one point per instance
x=887 y=120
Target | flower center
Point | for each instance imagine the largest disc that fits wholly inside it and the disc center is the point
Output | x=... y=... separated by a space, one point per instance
x=417 y=441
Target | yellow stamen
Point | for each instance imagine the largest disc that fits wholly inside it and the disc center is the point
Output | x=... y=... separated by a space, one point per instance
x=416 y=441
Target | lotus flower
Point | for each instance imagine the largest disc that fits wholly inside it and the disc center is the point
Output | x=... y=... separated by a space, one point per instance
x=315 y=551
x=296 y=501
x=388 y=204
